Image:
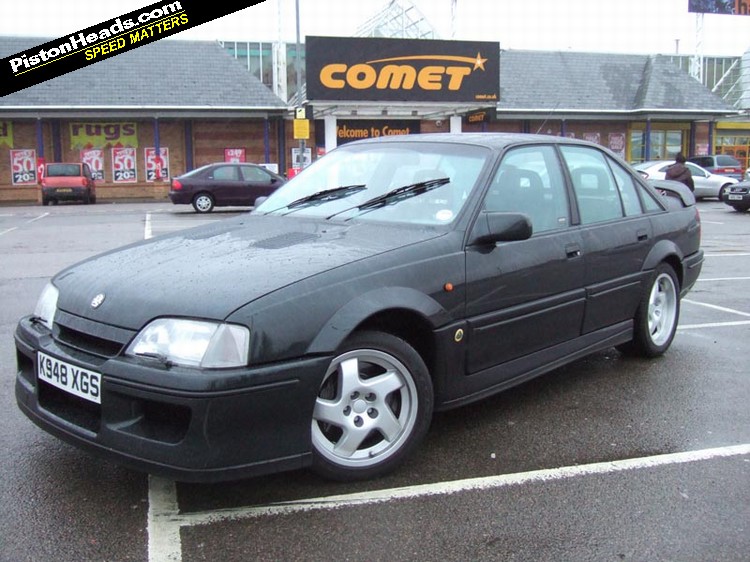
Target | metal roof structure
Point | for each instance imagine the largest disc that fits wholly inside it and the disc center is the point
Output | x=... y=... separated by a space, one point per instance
x=398 y=18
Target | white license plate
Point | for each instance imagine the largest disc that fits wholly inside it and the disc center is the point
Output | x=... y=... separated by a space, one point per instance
x=75 y=380
x=63 y=190
x=735 y=197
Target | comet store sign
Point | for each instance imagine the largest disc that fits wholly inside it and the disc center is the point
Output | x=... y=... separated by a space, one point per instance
x=378 y=69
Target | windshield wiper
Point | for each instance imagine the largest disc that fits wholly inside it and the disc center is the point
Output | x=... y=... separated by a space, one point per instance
x=320 y=197
x=396 y=195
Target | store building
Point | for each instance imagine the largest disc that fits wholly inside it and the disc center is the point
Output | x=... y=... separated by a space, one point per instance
x=170 y=106
x=139 y=118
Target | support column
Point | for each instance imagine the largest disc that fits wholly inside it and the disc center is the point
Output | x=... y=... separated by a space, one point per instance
x=266 y=141
x=456 y=122
x=39 y=139
x=647 y=142
x=330 y=132
x=188 y=145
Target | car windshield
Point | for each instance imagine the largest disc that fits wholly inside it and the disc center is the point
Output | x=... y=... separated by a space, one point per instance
x=63 y=170
x=386 y=173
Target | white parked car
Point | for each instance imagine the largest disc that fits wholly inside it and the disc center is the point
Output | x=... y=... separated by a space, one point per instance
x=706 y=183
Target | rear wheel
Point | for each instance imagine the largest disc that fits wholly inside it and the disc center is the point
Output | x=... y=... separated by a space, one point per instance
x=373 y=408
x=203 y=203
x=657 y=315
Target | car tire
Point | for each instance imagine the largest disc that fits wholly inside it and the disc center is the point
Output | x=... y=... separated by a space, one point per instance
x=722 y=191
x=203 y=203
x=92 y=199
x=87 y=198
x=45 y=202
x=740 y=209
x=373 y=408
x=657 y=315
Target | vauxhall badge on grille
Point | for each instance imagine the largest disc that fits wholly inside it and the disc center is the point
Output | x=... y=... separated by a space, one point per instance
x=97 y=301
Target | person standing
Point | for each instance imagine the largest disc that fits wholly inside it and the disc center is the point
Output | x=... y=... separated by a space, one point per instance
x=680 y=172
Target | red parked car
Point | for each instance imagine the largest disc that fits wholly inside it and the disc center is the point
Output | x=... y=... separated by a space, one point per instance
x=722 y=164
x=64 y=181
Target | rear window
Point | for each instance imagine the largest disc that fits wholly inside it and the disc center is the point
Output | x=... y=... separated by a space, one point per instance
x=726 y=160
x=63 y=170
x=705 y=161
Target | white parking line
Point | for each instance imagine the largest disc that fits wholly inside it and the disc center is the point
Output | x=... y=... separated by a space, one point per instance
x=715 y=307
x=148 y=233
x=713 y=325
x=724 y=279
x=727 y=255
x=6 y=231
x=37 y=218
x=165 y=520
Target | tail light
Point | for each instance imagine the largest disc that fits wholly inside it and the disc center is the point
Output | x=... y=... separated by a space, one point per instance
x=176 y=185
x=83 y=182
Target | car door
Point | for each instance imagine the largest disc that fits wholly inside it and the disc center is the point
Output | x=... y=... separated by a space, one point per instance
x=224 y=183
x=525 y=299
x=256 y=182
x=616 y=234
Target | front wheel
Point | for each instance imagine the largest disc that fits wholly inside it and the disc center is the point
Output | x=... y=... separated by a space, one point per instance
x=203 y=203
x=722 y=192
x=657 y=315
x=373 y=408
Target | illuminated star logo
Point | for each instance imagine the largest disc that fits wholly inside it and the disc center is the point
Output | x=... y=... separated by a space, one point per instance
x=479 y=62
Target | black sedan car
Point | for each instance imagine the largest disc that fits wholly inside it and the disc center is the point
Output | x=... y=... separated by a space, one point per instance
x=392 y=278
x=223 y=184
x=738 y=196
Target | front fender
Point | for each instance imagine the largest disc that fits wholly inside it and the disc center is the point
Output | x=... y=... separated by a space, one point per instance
x=359 y=309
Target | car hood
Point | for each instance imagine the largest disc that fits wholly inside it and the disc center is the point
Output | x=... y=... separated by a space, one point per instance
x=211 y=271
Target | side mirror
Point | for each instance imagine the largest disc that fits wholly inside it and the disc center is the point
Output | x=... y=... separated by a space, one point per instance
x=493 y=227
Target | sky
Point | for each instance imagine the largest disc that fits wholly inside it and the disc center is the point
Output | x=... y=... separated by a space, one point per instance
x=615 y=26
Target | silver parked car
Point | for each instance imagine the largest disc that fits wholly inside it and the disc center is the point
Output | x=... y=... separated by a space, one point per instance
x=707 y=184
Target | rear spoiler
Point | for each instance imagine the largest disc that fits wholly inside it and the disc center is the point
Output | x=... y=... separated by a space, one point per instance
x=674 y=192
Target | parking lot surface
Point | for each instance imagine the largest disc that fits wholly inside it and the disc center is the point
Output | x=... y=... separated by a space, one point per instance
x=609 y=458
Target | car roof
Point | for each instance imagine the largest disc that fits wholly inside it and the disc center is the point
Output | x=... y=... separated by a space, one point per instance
x=492 y=140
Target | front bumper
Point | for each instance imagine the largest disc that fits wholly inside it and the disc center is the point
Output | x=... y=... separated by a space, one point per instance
x=174 y=422
x=738 y=195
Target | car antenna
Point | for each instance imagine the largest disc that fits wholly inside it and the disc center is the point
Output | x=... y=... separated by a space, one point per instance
x=548 y=116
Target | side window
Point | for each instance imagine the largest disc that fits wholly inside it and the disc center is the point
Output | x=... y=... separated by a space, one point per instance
x=225 y=173
x=695 y=171
x=649 y=202
x=597 y=196
x=529 y=180
x=628 y=193
x=251 y=173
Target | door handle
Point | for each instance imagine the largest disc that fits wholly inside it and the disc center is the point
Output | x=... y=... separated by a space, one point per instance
x=642 y=235
x=572 y=251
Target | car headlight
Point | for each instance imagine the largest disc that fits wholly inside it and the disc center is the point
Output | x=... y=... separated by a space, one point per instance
x=46 y=306
x=193 y=343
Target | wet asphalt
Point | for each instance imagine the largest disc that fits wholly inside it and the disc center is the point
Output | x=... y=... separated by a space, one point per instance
x=60 y=504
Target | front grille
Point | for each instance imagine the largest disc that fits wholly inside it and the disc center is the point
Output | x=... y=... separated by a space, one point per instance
x=87 y=342
x=88 y=336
